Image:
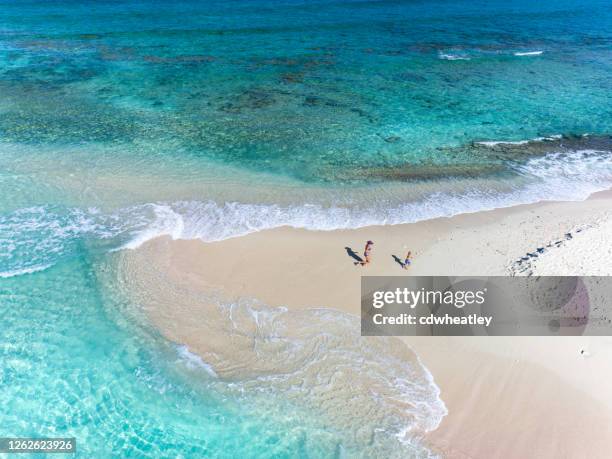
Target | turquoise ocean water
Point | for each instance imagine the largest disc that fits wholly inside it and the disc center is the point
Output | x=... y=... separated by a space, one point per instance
x=124 y=120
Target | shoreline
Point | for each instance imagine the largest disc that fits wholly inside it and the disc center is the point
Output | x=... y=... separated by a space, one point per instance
x=319 y=265
x=301 y=269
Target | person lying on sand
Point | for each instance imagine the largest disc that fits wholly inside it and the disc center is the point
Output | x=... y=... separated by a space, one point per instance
x=407 y=261
x=366 y=253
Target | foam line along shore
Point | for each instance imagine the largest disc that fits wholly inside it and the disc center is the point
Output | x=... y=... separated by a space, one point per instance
x=309 y=278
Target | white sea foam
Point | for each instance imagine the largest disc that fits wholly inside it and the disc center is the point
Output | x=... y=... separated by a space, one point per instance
x=33 y=238
x=594 y=165
x=466 y=55
x=528 y=53
x=492 y=143
x=556 y=176
x=375 y=388
x=192 y=360
x=166 y=222
x=23 y=271
x=453 y=57
x=39 y=236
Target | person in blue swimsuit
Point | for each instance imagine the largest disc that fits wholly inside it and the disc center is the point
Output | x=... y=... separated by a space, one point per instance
x=407 y=261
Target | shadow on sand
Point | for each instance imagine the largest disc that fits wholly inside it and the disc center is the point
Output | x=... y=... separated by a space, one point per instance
x=398 y=260
x=351 y=253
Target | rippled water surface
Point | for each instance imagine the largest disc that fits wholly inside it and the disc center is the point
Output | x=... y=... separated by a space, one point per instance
x=122 y=121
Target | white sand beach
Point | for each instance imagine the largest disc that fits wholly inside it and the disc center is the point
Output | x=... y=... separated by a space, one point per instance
x=518 y=397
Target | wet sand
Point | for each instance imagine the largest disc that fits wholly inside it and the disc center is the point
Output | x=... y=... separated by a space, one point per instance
x=506 y=397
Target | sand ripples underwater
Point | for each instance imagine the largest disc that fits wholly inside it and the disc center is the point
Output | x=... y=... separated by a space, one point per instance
x=373 y=390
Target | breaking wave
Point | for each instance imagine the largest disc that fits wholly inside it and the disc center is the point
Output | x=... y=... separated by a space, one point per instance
x=528 y=53
x=555 y=176
x=34 y=238
x=453 y=56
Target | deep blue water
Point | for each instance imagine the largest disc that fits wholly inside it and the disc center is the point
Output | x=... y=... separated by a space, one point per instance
x=316 y=90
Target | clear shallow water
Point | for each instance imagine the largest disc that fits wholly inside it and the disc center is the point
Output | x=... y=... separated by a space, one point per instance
x=71 y=365
x=77 y=361
x=123 y=121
